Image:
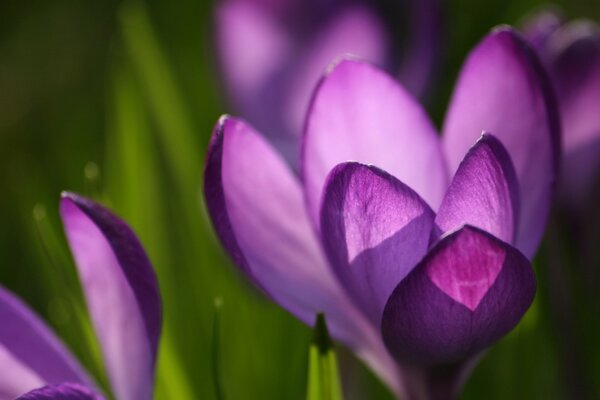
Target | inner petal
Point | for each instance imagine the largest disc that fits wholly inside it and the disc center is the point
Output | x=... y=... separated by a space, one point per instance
x=467 y=275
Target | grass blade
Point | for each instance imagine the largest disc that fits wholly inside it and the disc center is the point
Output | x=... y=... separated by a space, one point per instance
x=323 y=375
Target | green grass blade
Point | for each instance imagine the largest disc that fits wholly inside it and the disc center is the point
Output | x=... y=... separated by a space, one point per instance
x=136 y=192
x=323 y=375
x=176 y=131
x=216 y=350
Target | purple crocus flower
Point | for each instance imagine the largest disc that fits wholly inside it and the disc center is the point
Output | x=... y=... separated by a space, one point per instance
x=276 y=51
x=571 y=52
x=366 y=246
x=123 y=299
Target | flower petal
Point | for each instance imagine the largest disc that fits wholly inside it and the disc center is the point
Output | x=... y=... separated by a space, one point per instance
x=18 y=379
x=539 y=27
x=360 y=113
x=483 y=193
x=64 y=391
x=576 y=72
x=422 y=56
x=354 y=30
x=252 y=49
x=257 y=208
x=30 y=354
x=503 y=90
x=121 y=292
x=468 y=292
x=375 y=230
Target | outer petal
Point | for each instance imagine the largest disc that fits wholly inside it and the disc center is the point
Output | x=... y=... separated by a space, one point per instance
x=257 y=209
x=468 y=292
x=483 y=193
x=64 y=391
x=375 y=230
x=30 y=354
x=360 y=113
x=502 y=89
x=121 y=292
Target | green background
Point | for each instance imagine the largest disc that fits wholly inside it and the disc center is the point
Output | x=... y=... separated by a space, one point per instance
x=116 y=100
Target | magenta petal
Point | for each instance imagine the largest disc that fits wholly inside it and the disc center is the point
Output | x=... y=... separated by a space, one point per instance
x=375 y=230
x=257 y=208
x=484 y=192
x=469 y=291
x=503 y=90
x=359 y=113
x=64 y=391
x=30 y=354
x=121 y=292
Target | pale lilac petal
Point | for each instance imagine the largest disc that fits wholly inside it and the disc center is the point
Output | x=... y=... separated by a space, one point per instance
x=257 y=209
x=502 y=89
x=355 y=30
x=484 y=192
x=121 y=292
x=359 y=113
x=375 y=230
x=468 y=292
x=252 y=47
x=64 y=391
x=253 y=50
x=30 y=354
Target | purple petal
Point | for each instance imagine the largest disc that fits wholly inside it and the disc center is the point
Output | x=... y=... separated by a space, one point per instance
x=375 y=230
x=468 y=292
x=30 y=354
x=355 y=30
x=252 y=50
x=503 y=90
x=64 y=391
x=121 y=292
x=483 y=193
x=423 y=49
x=539 y=28
x=257 y=208
x=576 y=72
x=262 y=58
x=360 y=113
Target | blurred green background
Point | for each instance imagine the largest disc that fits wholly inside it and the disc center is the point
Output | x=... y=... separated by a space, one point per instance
x=116 y=100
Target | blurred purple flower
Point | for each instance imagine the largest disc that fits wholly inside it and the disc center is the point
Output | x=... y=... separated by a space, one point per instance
x=365 y=246
x=272 y=53
x=123 y=299
x=571 y=53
